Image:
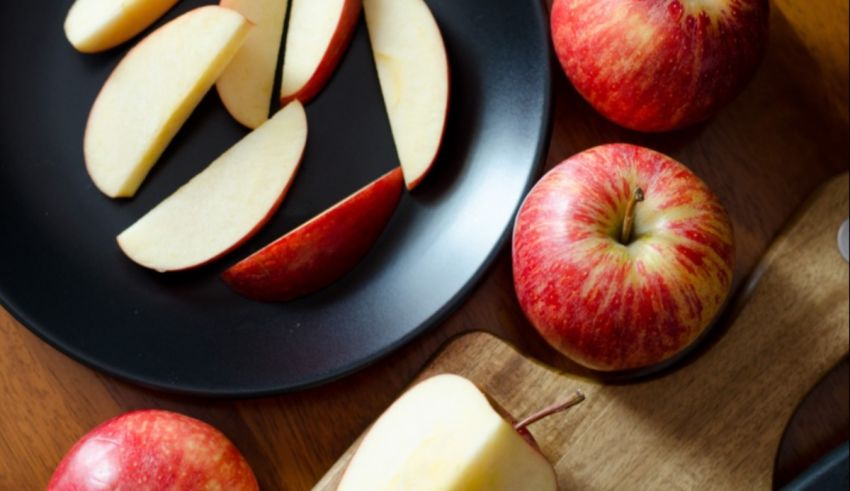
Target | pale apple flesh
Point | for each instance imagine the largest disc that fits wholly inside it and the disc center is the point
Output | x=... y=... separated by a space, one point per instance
x=246 y=86
x=322 y=250
x=443 y=434
x=317 y=37
x=152 y=92
x=413 y=72
x=661 y=65
x=153 y=450
x=98 y=25
x=611 y=304
x=224 y=205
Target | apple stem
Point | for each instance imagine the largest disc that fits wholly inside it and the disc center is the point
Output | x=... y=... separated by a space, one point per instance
x=629 y=221
x=574 y=400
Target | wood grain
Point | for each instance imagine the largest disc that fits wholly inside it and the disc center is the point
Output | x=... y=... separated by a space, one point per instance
x=785 y=135
x=716 y=422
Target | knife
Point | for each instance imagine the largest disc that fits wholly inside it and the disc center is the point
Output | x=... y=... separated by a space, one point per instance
x=829 y=474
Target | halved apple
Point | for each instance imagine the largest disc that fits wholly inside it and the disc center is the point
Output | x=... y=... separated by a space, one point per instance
x=414 y=74
x=246 y=85
x=152 y=92
x=443 y=434
x=322 y=250
x=98 y=25
x=226 y=204
x=317 y=37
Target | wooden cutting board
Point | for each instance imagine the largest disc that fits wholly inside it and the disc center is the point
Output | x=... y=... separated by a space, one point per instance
x=717 y=420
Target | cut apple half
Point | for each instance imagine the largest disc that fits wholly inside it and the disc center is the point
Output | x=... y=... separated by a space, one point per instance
x=226 y=204
x=98 y=25
x=414 y=74
x=318 y=35
x=322 y=250
x=152 y=92
x=443 y=434
x=247 y=84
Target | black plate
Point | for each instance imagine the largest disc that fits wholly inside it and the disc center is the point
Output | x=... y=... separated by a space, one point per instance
x=62 y=275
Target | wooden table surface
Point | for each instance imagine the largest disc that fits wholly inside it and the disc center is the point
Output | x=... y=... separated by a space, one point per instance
x=785 y=135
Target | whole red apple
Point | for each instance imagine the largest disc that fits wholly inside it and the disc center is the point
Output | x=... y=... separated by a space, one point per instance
x=622 y=257
x=153 y=450
x=658 y=65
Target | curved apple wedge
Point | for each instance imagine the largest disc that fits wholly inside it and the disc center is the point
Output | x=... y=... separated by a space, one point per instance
x=246 y=86
x=152 y=92
x=226 y=204
x=322 y=250
x=97 y=25
x=318 y=35
x=413 y=71
x=444 y=434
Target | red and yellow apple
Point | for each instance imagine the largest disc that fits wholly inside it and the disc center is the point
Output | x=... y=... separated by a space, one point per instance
x=98 y=25
x=622 y=257
x=444 y=433
x=317 y=37
x=246 y=86
x=413 y=71
x=658 y=65
x=322 y=250
x=152 y=449
x=152 y=92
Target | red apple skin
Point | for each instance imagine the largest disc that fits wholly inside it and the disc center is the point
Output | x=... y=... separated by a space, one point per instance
x=659 y=65
x=322 y=250
x=337 y=47
x=153 y=450
x=608 y=306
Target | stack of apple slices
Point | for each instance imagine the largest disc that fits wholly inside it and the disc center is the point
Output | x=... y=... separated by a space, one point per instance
x=413 y=71
x=317 y=37
x=409 y=55
x=235 y=46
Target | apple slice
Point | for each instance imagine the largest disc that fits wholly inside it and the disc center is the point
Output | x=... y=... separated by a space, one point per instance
x=153 y=91
x=246 y=85
x=226 y=204
x=414 y=73
x=443 y=434
x=98 y=25
x=322 y=250
x=318 y=35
